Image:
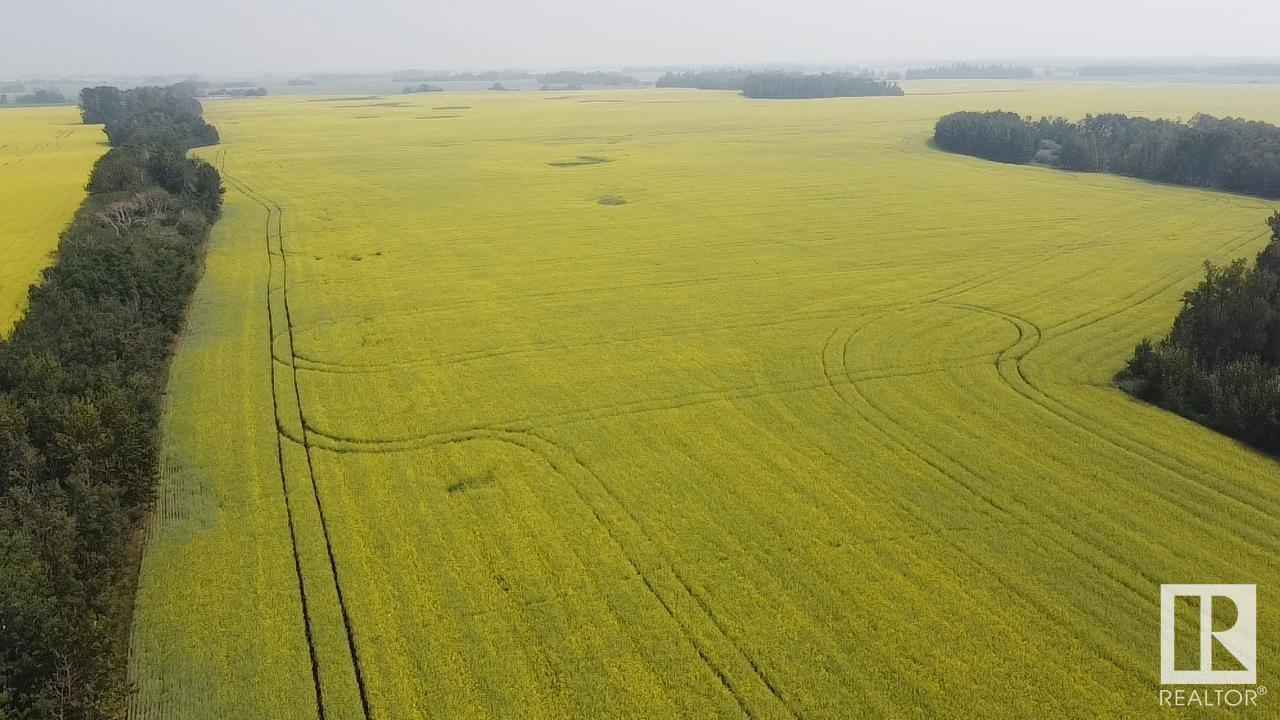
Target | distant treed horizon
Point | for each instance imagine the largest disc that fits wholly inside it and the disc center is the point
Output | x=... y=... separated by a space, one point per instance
x=291 y=36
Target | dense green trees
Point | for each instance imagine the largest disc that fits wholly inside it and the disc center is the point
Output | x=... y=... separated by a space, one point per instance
x=100 y=105
x=705 y=79
x=997 y=135
x=1223 y=153
x=80 y=384
x=964 y=71
x=798 y=85
x=41 y=97
x=238 y=92
x=1220 y=365
x=148 y=116
x=422 y=88
x=1228 y=153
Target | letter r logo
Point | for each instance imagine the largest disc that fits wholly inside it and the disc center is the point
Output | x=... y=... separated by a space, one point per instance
x=1241 y=639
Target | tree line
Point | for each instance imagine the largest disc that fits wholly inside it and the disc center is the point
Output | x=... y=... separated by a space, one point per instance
x=595 y=77
x=1237 y=70
x=81 y=379
x=783 y=85
x=705 y=80
x=148 y=116
x=779 y=84
x=36 y=97
x=1222 y=153
x=236 y=92
x=965 y=71
x=1220 y=364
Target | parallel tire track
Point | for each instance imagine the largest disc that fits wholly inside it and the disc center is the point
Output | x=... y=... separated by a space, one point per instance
x=278 y=251
x=1012 y=372
x=284 y=488
x=913 y=509
x=564 y=462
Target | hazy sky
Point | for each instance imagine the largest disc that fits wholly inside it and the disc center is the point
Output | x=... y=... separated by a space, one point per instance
x=57 y=37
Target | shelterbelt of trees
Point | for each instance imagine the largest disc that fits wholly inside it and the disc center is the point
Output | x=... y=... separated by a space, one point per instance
x=1222 y=153
x=783 y=85
x=705 y=79
x=965 y=71
x=824 y=85
x=80 y=385
x=38 y=97
x=1220 y=365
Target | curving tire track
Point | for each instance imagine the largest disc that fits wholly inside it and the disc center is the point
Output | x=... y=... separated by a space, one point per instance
x=276 y=250
x=315 y=364
x=895 y=439
x=619 y=522
x=1145 y=293
x=528 y=442
x=281 y=434
x=330 y=440
x=1014 y=375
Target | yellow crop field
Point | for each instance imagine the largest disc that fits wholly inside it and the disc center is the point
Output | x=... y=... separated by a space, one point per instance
x=45 y=157
x=659 y=404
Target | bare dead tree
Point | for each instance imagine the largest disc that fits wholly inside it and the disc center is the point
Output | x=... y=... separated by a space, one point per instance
x=143 y=208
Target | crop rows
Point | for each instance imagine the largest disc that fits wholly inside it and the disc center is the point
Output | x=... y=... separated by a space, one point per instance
x=817 y=424
x=43 y=167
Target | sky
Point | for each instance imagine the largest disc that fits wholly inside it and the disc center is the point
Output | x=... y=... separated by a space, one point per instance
x=49 y=38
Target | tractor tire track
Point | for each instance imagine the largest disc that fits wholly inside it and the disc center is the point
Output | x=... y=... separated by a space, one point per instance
x=903 y=430
x=1014 y=375
x=1178 y=275
x=533 y=439
x=352 y=444
x=284 y=490
x=914 y=509
x=278 y=251
x=566 y=464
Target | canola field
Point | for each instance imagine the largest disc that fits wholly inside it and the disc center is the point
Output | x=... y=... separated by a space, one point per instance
x=45 y=158
x=667 y=404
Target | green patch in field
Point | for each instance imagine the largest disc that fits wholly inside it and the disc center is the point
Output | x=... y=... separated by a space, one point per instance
x=612 y=200
x=452 y=107
x=393 y=104
x=482 y=482
x=579 y=161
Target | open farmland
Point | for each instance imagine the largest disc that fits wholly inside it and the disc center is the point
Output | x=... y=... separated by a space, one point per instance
x=45 y=156
x=654 y=404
